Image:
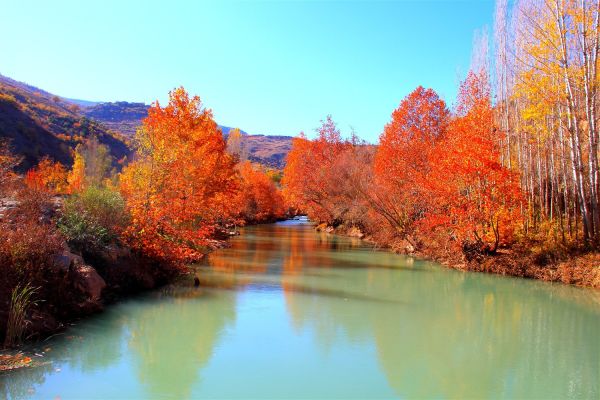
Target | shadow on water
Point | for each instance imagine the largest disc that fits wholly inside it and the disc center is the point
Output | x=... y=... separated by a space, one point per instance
x=224 y=284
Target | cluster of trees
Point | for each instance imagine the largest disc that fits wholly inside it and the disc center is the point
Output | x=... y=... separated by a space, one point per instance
x=324 y=177
x=258 y=199
x=184 y=185
x=182 y=190
x=517 y=157
x=433 y=174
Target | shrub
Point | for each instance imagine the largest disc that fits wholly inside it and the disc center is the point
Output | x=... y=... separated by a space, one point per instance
x=29 y=244
x=92 y=219
x=8 y=161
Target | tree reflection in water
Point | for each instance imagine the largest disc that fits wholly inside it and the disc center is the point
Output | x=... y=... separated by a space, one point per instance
x=438 y=332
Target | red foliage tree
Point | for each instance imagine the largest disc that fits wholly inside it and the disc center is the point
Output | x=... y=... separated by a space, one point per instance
x=402 y=161
x=476 y=199
x=319 y=175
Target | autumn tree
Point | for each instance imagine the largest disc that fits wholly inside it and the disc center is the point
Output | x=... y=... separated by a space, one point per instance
x=48 y=176
x=236 y=144
x=474 y=197
x=92 y=165
x=307 y=175
x=325 y=176
x=259 y=199
x=546 y=66
x=403 y=159
x=304 y=176
x=76 y=176
x=179 y=187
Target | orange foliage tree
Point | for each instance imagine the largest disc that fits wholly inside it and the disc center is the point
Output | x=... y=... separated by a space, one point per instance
x=259 y=199
x=402 y=161
x=476 y=199
x=180 y=185
x=48 y=176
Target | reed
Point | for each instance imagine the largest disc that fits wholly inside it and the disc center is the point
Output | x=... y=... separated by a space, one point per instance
x=21 y=300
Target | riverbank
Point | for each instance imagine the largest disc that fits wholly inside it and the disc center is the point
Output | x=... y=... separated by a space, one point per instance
x=84 y=286
x=527 y=260
x=78 y=285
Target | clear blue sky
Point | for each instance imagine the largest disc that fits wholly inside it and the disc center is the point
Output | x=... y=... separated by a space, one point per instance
x=266 y=67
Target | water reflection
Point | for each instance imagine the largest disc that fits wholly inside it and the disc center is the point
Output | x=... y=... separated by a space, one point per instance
x=173 y=340
x=287 y=312
x=438 y=333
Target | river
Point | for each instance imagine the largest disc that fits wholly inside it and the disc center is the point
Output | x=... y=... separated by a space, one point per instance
x=287 y=312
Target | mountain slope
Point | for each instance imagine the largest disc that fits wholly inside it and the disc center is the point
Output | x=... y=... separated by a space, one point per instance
x=39 y=124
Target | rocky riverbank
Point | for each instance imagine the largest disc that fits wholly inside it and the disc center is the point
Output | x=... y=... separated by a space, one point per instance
x=66 y=283
x=84 y=286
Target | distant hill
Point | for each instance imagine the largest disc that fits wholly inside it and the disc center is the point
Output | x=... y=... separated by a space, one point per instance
x=125 y=117
x=120 y=116
x=38 y=124
x=80 y=103
x=268 y=150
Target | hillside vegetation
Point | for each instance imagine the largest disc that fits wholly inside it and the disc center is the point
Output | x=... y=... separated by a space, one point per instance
x=75 y=237
x=38 y=124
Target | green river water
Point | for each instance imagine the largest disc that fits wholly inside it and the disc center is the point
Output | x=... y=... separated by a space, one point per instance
x=290 y=313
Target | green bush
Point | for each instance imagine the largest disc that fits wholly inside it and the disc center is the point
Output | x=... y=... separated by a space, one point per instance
x=93 y=218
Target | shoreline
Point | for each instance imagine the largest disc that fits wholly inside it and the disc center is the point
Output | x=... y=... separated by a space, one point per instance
x=581 y=270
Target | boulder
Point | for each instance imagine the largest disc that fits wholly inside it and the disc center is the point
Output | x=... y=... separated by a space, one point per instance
x=87 y=280
x=42 y=323
x=113 y=253
x=66 y=260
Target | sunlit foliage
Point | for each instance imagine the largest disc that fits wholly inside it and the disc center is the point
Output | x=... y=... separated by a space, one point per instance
x=48 y=176
x=259 y=198
x=179 y=187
